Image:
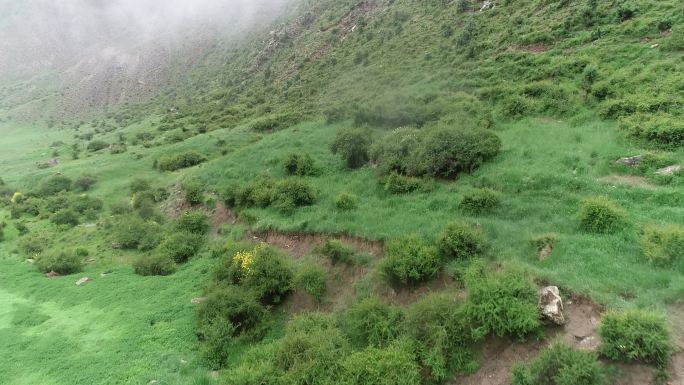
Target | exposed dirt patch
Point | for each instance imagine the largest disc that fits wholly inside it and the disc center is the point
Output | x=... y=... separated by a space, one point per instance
x=175 y=204
x=298 y=245
x=629 y=181
x=219 y=216
x=406 y=296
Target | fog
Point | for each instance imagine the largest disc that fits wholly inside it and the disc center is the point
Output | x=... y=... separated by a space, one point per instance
x=41 y=34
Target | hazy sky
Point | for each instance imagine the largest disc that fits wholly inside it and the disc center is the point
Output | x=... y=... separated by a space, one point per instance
x=36 y=33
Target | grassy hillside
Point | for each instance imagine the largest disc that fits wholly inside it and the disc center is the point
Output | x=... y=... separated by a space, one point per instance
x=231 y=188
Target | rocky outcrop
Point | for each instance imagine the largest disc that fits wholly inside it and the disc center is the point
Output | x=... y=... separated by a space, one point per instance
x=551 y=305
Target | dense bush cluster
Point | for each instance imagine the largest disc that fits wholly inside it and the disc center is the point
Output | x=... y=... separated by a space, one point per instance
x=561 y=365
x=460 y=240
x=439 y=151
x=299 y=164
x=311 y=279
x=179 y=161
x=337 y=252
x=661 y=129
x=663 y=245
x=346 y=201
x=264 y=191
x=410 y=261
x=600 y=215
x=503 y=303
x=480 y=201
x=60 y=262
x=636 y=335
x=353 y=146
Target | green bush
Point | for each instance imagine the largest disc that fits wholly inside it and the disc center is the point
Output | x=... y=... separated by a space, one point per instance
x=446 y=152
x=440 y=328
x=131 y=232
x=311 y=279
x=194 y=191
x=636 y=335
x=676 y=42
x=400 y=184
x=180 y=246
x=195 y=222
x=154 y=264
x=179 y=161
x=293 y=192
x=561 y=365
x=460 y=240
x=53 y=185
x=391 y=365
x=264 y=270
x=657 y=128
x=299 y=164
x=346 y=201
x=353 y=145
x=663 y=245
x=138 y=185
x=61 y=262
x=481 y=201
x=311 y=352
x=228 y=313
x=85 y=182
x=97 y=145
x=409 y=261
x=396 y=151
x=600 y=215
x=337 y=252
x=504 y=302
x=33 y=244
x=65 y=217
x=370 y=322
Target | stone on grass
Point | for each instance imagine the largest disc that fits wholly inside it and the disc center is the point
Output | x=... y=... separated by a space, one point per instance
x=669 y=170
x=83 y=281
x=631 y=161
x=551 y=305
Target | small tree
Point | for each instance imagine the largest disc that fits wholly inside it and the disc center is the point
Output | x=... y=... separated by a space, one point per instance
x=353 y=145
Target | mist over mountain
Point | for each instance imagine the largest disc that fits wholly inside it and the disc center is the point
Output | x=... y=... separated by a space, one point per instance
x=41 y=35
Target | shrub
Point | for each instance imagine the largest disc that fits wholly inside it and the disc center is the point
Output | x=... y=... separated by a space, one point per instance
x=371 y=322
x=265 y=271
x=229 y=313
x=504 y=303
x=561 y=365
x=396 y=151
x=445 y=152
x=481 y=201
x=657 y=128
x=346 y=201
x=293 y=192
x=84 y=203
x=54 y=185
x=132 y=232
x=663 y=245
x=676 y=42
x=300 y=164
x=625 y=11
x=194 y=191
x=409 y=261
x=33 y=244
x=636 y=335
x=312 y=280
x=179 y=161
x=195 y=222
x=353 y=145
x=85 y=182
x=460 y=240
x=154 y=264
x=61 y=262
x=337 y=251
x=600 y=215
x=440 y=328
x=180 y=246
x=97 y=145
x=392 y=365
x=65 y=217
x=139 y=185
x=311 y=351
x=21 y=227
x=400 y=184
